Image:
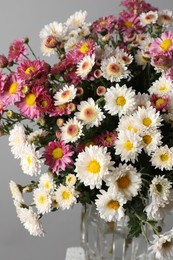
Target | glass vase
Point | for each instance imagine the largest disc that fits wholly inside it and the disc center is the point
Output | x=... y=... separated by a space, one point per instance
x=103 y=240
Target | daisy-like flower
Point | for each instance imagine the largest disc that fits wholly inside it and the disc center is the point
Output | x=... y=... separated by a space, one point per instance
x=65 y=95
x=70 y=180
x=17 y=139
x=36 y=135
x=142 y=100
x=160 y=103
x=124 y=57
x=16 y=192
x=110 y=205
x=56 y=29
x=92 y=165
x=162 y=158
x=141 y=59
x=90 y=113
x=124 y=179
x=58 y=155
x=104 y=24
x=162 y=45
x=165 y=18
x=128 y=146
x=71 y=131
x=30 y=221
x=65 y=196
x=17 y=51
x=148 y=118
x=162 y=245
x=76 y=20
x=163 y=86
x=119 y=100
x=42 y=201
x=30 y=160
x=85 y=66
x=106 y=139
x=48 y=45
x=128 y=123
x=113 y=70
x=151 y=140
x=46 y=182
x=148 y=18
x=160 y=189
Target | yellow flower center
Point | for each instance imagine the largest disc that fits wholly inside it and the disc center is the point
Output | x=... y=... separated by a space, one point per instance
x=166 y=44
x=164 y=157
x=147 y=121
x=57 y=153
x=147 y=139
x=41 y=199
x=84 y=48
x=121 y=101
x=47 y=185
x=128 y=145
x=30 y=99
x=13 y=88
x=29 y=70
x=108 y=139
x=128 y=24
x=124 y=182
x=66 y=195
x=29 y=159
x=159 y=101
x=130 y=127
x=94 y=167
x=113 y=204
x=163 y=88
x=103 y=22
x=43 y=103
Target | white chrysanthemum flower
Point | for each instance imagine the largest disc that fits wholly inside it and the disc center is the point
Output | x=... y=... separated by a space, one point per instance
x=65 y=95
x=36 y=135
x=76 y=20
x=142 y=100
x=148 y=18
x=161 y=87
x=162 y=158
x=70 y=180
x=71 y=130
x=92 y=165
x=162 y=245
x=46 y=183
x=17 y=139
x=141 y=59
x=125 y=179
x=16 y=192
x=128 y=123
x=110 y=205
x=85 y=66
x=90 y=113
x=56 y=29
x=65 y=196
x=128 y=146
x=113 y=70
x=160 y=189
x=168 y=117
x=151 y=140
x=30 y=160
x=47 y=51
x=119 y=100
x=70 y=44
x=124 y=57
x=30 y=220
x=42 y=201
x=165 y=18
x=148 y=118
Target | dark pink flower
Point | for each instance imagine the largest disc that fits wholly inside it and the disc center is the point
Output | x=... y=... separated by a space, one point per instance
x=58 y=155
x=106 y=139
x=17 y=51
x=104 y=24
x=159 y=102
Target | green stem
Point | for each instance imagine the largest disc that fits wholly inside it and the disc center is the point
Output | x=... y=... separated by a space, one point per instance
x=31 y=51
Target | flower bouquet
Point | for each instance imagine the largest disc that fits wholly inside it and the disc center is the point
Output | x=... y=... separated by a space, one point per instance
x=100 y=119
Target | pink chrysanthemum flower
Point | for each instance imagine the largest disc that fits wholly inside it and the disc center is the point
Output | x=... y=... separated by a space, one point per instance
x=29 y=70
x=58 y=155
x=59 y=110
x=107 y=139
x=162 y=45
x=162 y=63
x=12 y=90
x=17 y=51
x=159 y=102
x=104 y=24
x=138 y=6
x=169 y=73
x=129 y=23
x=81 y=49
x=28 y=105
x=44 y=102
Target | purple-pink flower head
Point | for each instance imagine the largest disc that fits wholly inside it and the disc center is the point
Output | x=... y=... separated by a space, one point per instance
x=17 y=51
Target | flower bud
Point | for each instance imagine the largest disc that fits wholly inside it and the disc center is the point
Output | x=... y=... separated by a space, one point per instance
x=3 y=61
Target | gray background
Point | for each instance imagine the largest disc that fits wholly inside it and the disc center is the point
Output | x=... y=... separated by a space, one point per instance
x=22 y=18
